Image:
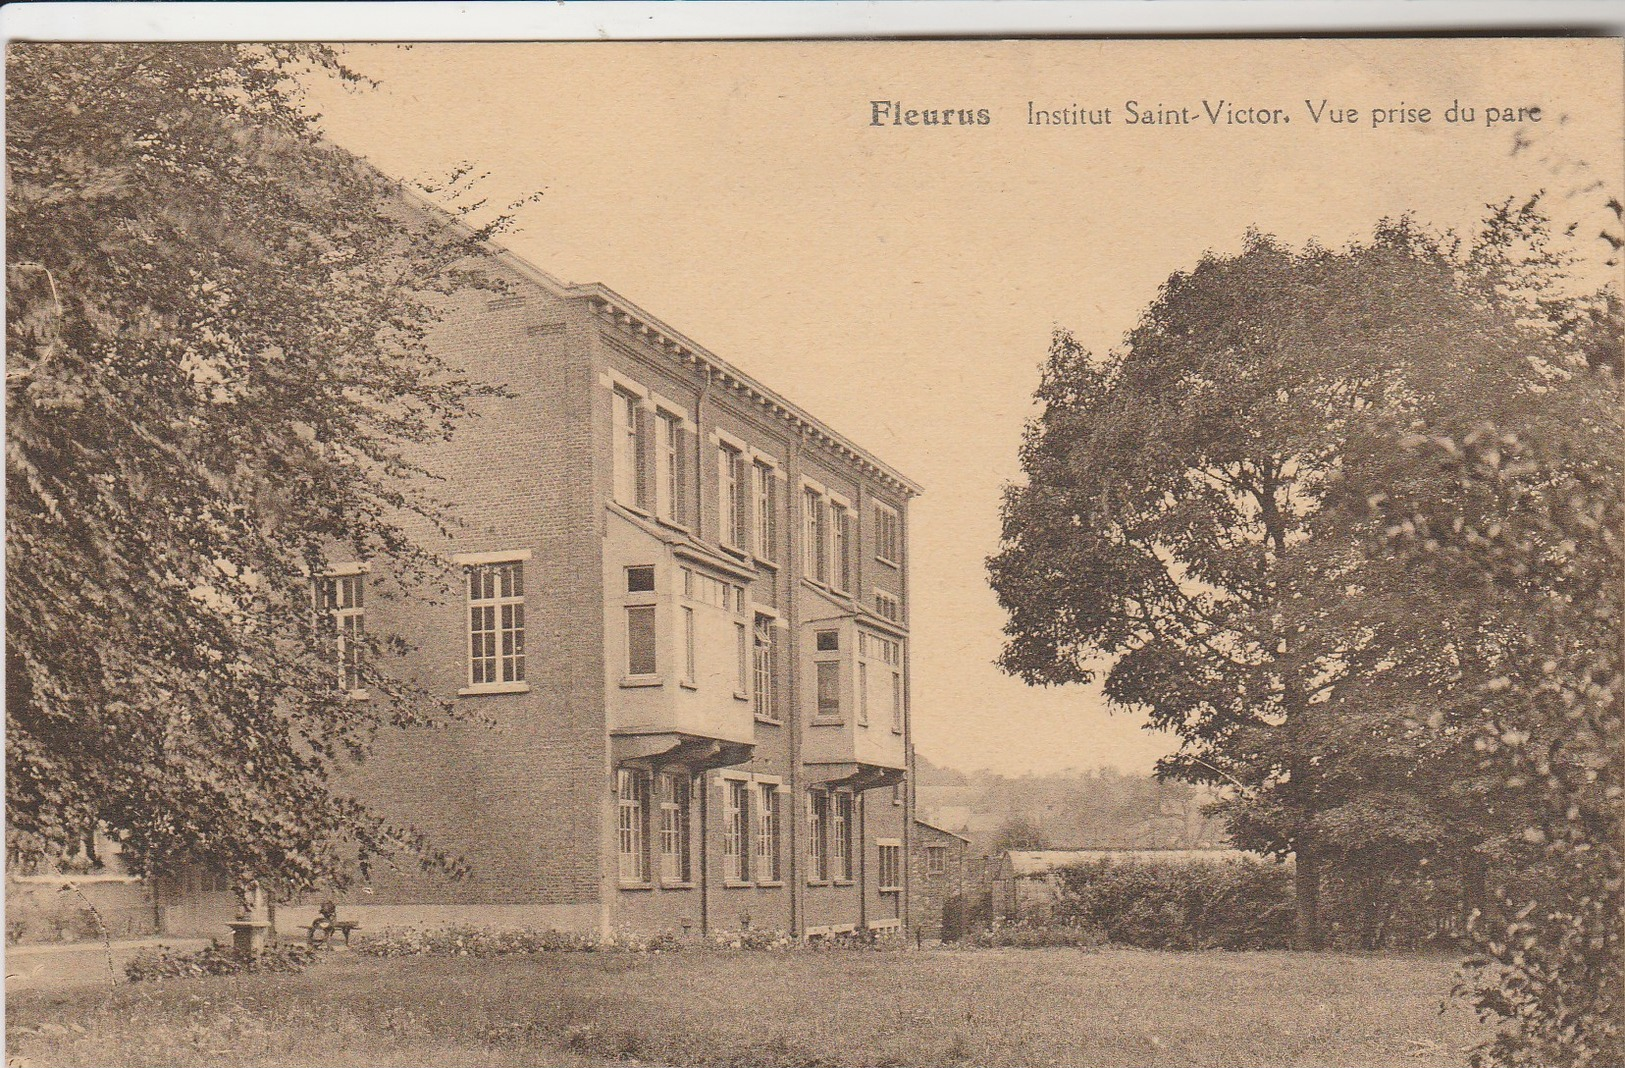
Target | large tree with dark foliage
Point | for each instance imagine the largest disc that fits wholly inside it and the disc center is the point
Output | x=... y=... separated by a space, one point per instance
x=1184 y=531
x=216 y=374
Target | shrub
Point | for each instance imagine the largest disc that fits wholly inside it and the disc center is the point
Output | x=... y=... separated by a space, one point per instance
x=1024 y=936
x=216 y=959
x=1156 y=905
x=464 y=940
x=755 y=938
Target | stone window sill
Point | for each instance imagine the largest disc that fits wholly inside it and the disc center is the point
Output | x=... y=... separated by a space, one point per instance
x=494 y=687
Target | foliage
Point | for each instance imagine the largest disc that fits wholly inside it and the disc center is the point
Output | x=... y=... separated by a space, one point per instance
x=216 y=959
x=1017 y=832
x=1151 y=905
x=1184 y=532
x=1102 y=807
x=1521 y=533
x=469 y=940
x=1019 y=935
x=217 y=376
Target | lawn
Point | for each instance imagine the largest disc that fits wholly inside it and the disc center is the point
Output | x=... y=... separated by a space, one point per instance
x=1112 y=1008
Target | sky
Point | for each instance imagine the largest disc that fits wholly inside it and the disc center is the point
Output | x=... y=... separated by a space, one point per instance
x=902 y=282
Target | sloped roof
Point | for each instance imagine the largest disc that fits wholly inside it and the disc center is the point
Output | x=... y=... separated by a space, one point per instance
x=941 y=830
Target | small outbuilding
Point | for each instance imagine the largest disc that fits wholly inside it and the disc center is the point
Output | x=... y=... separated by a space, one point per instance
x=940 y=878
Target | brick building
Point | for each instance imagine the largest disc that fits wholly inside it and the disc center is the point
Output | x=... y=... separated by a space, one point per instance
x=682 y=603
x=939 y=878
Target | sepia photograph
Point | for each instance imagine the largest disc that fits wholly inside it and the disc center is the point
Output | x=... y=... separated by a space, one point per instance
x=1000 y=550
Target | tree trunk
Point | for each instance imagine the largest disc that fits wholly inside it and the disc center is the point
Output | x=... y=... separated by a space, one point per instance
x=1306 y=891
x=1474 y=888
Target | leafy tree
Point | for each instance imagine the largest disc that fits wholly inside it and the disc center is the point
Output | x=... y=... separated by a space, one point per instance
x=1181 y=529
x=1018 y=832
x=217 y=375
x=1516 y=532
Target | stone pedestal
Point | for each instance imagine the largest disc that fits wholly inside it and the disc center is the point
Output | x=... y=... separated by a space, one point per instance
x=248 y=937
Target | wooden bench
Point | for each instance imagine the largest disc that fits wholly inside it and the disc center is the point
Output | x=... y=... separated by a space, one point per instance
x=319 y=935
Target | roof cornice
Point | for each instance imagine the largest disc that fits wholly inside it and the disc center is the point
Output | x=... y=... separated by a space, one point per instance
x=632 y=320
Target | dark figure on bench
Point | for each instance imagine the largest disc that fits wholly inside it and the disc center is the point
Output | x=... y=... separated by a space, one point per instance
x=327 y=924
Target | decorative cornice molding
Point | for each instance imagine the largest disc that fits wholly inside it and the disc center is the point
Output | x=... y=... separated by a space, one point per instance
x=624 y=316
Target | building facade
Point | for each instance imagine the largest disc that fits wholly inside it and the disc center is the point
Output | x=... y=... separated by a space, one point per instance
x=939 y=877
x=680 y=604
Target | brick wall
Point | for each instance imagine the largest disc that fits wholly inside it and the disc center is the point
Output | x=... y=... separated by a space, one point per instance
x=930 y=892
x=517 y=796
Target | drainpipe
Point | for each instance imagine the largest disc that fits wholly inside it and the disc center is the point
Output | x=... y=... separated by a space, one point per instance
x=705 y=858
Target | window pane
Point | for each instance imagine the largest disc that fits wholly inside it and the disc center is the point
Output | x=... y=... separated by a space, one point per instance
x=640 y=640
x=640 y=579
x=688 y=643
x=829 y=689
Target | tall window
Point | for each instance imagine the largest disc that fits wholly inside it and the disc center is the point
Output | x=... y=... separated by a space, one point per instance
x=762 y=657
x=888 y=536
x=817 y=853
x=891 y=866
x=674 y=824
x=668 y=467
x=688 y=645
x=736 y=831
x=840 y=529
x=936 y=860
x=496 y=623
x=829 y=689
x=641 y=655
x=343 y=597
x=880 y=665
x=733 y=515
x=863 y=693
x=742 y=657
x=767 y=833
x=840 y=833
x=633 y=789
x=766 y=490
x=627 y=447
x=814 y=536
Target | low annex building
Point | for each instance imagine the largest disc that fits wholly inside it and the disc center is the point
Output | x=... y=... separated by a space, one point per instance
x=681 y=602
x=939 y=879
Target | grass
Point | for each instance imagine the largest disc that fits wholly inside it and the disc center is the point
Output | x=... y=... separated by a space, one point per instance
x=993 y=1007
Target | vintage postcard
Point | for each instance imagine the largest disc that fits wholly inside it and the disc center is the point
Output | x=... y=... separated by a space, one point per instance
x=842 y=552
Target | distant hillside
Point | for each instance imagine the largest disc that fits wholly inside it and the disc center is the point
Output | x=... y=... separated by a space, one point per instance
x=1099 y=809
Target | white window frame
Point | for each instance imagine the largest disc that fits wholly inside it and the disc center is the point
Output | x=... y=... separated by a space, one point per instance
x=887 y=516
x=817 y=837
x=675 y=831
x=632 y=826
x=626 y=446
x=733 y=490
x=346 y=620
x=645 y=601
x=668 y=443
x=842 y=531
x=892 y=847
x=736 y=828
x=764 y=658
x=823 y=661
x=814 y=532
x=472 y=563
x=936 y=859
x=842 y=819
x=764 y=507
x=769 y=842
